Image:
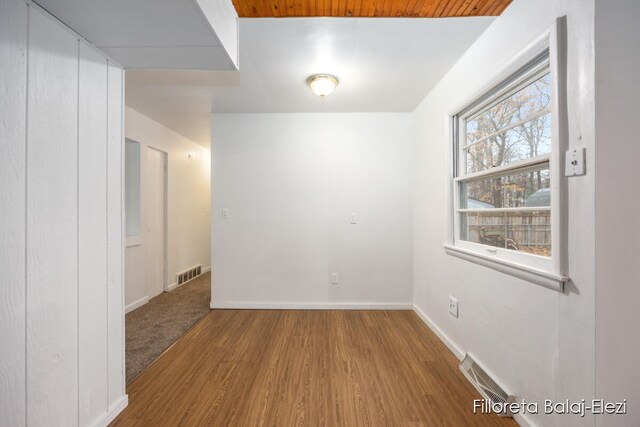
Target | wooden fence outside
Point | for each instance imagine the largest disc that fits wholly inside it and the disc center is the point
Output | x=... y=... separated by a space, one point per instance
x=524 y=230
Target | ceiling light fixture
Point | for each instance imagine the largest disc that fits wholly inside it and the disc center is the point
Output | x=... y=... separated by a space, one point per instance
x=322 y=84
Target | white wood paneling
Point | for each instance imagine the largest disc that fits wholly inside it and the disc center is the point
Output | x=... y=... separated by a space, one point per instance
x=52 y=213
x=61 y=297
x=13 y=33
x=115 y=239
x=92 y=235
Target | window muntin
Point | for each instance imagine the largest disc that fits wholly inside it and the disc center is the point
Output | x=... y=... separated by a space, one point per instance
x=524 y=188
x=504 y=186
x=516 y=128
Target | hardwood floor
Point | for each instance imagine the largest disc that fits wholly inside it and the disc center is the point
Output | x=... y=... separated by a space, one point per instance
x=305 y=368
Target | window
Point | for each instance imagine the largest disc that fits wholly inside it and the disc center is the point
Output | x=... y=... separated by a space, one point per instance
x=504 y=147
x=132 y=187
x=505 y=185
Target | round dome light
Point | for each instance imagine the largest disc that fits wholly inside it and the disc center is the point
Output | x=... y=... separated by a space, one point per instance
x=322 y=84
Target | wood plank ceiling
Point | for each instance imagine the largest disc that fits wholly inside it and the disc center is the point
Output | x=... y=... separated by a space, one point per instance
x=369 y=8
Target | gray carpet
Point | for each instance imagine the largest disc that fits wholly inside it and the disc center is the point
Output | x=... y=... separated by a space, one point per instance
x=155 y=326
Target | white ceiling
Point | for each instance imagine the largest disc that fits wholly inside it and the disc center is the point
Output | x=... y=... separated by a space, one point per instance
x=383 y=64
x=155 y=33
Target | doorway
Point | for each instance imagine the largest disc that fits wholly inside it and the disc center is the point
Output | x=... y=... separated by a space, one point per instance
x=167 y=183
x=156 y=180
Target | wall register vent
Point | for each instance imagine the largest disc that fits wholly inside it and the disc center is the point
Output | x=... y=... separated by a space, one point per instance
x=486 y=386
x=189 y=274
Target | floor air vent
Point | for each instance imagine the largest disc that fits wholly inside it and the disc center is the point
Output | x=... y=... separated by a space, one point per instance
x=490 y=391
x=189 y=274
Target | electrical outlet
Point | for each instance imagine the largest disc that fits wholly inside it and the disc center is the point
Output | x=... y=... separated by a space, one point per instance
x=453 y=306
x=225 y=213
x=352 y=218
x=334 y=278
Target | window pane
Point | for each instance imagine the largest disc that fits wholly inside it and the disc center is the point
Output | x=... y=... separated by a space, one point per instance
x=523 y=189
x=522 y=141
x=132 y=187
x=528 y=231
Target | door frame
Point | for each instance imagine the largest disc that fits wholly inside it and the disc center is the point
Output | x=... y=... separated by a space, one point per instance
x=165 y=214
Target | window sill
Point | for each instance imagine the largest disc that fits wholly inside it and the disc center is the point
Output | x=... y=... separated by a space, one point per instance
x=132 y=241
x=533 y=275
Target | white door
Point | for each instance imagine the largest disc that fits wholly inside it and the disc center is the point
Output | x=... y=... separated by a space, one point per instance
x=156 y=220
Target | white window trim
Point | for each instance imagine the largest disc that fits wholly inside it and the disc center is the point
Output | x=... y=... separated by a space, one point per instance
x=135 y=240
x=543 y=271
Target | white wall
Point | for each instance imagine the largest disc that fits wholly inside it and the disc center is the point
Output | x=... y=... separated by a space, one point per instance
x=62 y=352
x=290 y=182
x=617 y=235
x=538 y=343
x=188 y=203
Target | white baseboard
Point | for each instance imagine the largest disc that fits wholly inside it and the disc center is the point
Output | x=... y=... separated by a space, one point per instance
x=112 y=413
x=206 y=269
x=173 y=286
x=518 y=418
x=309 y=306
x=445 y=339
x=136 y=304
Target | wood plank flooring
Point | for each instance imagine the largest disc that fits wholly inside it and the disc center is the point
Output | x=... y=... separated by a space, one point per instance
x=305 y=368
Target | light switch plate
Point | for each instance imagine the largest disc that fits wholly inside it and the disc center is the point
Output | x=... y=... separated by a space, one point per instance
x=453 y=306
x=334 y=278
x=575 y=162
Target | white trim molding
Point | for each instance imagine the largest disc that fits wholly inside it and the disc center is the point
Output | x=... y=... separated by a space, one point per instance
x=546 y=54
x=441 y=335
x=173 y=286
x=136 y=304
x=524 y=272
x=112 y=413
x=132 y=241
x=231 y=305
